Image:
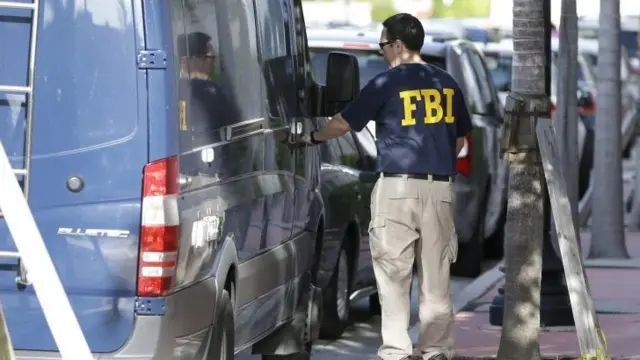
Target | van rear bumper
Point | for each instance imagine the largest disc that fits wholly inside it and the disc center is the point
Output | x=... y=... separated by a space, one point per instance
x=184 y=328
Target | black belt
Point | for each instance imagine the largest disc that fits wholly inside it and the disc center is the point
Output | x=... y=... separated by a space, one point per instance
x=435 y=177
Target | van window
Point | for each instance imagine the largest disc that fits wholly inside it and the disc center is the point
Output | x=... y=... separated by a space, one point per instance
x=276 y=48
x=216 y=50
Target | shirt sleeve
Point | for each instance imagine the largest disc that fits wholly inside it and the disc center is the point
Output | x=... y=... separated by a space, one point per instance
x=365 y=108
x=463 y=119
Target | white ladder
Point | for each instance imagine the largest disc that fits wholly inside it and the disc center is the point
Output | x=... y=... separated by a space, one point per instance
x=14 y=207
x=27 y=90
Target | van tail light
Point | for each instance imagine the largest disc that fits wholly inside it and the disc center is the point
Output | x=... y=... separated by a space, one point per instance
x=553 y=106
x=160 y=228
x=464 y=157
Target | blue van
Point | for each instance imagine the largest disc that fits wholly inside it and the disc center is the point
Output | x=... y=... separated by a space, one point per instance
x=159 y=169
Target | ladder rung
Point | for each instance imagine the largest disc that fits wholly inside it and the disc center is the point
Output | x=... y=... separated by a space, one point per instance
x=20 y=172
x=17 y=5
x=15 y=89
x=9 y=254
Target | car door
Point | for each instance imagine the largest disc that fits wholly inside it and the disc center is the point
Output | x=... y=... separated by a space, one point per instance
x=221 y=148
x=307 y=160
x=484 y=141
x=272 y=18
x=498 y=165
x=366 y=165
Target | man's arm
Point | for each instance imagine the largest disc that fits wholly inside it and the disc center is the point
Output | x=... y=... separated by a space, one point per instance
x=337 y=126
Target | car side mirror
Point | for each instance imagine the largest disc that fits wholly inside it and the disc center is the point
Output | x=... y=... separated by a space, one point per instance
x=343 y=81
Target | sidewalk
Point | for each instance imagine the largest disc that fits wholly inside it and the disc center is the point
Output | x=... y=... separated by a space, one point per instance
x=615 y=289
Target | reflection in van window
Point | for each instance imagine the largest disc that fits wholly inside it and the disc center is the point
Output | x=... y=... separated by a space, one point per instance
x=215 y=66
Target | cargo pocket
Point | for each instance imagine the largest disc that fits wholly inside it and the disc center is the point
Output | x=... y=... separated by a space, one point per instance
x=376 y=236
x=446 y=200
x=451 y=251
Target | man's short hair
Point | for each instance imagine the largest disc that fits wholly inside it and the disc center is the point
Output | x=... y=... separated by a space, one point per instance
x=406 y=28
x=193 y=44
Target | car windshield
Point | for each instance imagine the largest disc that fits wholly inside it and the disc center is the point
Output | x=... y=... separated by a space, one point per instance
x=501 y=68
x=371 y=63
x=628 y=38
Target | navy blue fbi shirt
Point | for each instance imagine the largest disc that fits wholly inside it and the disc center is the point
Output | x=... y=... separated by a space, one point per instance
x=419 y=112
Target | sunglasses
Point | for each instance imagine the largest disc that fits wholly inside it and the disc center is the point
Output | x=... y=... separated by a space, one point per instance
x=383 y=44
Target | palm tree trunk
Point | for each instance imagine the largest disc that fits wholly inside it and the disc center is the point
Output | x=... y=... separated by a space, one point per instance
x=566 y=120
x=634 y=216
x=524 y=227
x=607 y=231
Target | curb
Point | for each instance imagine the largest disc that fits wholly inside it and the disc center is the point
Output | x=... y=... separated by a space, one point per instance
x=544 y=358
x=633 y=263
x=475 y=290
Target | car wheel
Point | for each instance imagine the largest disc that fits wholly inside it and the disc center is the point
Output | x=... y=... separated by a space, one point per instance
x=309 y=332
x=585 y=164
x=374 y=304
x=336 y=307
x=471 y=254
x=224 y=331
x=494 y=244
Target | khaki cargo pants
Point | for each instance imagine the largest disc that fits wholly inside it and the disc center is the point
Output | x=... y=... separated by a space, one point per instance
x=412 y=220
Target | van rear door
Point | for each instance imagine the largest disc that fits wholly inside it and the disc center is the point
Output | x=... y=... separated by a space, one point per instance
x=89 y=124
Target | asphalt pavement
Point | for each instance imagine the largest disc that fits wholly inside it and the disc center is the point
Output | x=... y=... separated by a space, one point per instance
x=362 y=338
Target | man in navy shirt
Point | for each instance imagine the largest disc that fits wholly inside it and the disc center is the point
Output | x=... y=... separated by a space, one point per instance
x=421 y=119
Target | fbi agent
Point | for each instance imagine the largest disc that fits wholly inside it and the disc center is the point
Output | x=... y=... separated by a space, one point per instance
x=421 y=120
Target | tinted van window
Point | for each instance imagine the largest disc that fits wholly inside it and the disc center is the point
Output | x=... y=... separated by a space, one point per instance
x=216 y=49
x=277 y=47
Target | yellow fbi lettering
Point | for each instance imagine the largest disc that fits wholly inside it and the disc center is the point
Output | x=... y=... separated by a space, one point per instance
x=432 y=101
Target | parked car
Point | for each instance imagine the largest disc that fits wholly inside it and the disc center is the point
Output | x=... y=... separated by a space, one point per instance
x=588 y=29
x=480 y=185
x=499 y=56
x=346 y=269
x=630 y=90
x=181 y=222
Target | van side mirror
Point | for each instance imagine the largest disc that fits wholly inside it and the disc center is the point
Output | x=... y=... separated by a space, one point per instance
x=343 y=81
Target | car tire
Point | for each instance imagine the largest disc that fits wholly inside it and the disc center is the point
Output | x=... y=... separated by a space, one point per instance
x=586 y=164
x=374 y=304
x=471 y=254
x=224 y=330
x=336 y=307
x=494 y=244
x=309 y=334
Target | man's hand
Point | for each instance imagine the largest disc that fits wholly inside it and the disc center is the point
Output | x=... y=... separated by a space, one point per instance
x=306 y=138
x=304 y=141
